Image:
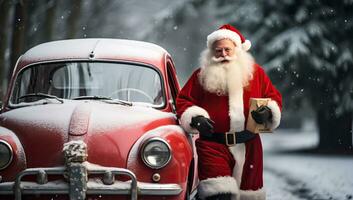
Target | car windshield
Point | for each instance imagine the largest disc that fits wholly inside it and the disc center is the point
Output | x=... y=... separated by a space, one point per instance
x=89 y=80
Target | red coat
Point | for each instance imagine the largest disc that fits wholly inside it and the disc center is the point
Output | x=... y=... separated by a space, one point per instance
x=217 y=160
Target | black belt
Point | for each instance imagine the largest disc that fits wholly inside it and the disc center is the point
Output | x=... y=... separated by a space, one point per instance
x=229 y=138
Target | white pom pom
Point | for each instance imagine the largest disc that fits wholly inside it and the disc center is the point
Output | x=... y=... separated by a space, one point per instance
x=246 y=45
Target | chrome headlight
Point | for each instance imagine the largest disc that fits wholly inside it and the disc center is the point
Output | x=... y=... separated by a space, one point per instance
x=6 y=154
x=156 y=153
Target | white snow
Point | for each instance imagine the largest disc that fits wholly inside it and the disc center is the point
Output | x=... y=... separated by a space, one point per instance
x=52 y=117
x=119 y=185
x=92 y=166
x=36 y=103
x=321 y=176
x=346 y=57
x=106 y=117
x=293 y=176
x=75 y=148
x=80 y=119
x=296 y=39
x=59 y=49
x=108 y=48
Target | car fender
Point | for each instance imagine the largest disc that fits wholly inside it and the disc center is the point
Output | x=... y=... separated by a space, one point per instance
x=176 y=171
x=18 y=162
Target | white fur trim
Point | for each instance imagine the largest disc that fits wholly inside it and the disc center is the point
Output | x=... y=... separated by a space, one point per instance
x=190 y=112
x=235 y=94
x=227 y=34
x=238 y=152
x=246 y=45
x=259 y=194
x=276 y=114
x=218 y=185
x=223 y=34
x=236 y=111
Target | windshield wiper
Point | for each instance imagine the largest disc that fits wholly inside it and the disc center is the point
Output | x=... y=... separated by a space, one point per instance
x=43 y=95
x=105 y=99
x=92 y=97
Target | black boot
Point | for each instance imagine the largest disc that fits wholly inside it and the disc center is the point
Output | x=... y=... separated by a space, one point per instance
x=226 y=196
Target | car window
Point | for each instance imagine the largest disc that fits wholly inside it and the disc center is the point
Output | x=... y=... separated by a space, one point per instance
x=69 y=80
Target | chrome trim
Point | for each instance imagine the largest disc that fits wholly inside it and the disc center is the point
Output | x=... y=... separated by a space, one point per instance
x=11 y=152
x=116 y=171
x=34 y=171
x=94 y=186
x=145 y=143
x=117 y=188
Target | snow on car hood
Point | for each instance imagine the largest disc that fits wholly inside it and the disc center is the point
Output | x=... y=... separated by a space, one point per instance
x=106 y=128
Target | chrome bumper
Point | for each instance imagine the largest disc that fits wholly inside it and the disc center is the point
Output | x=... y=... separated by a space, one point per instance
x=81 y=186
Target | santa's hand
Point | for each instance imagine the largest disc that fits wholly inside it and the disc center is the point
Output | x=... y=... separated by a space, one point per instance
x=262 y=114
x=202 y=124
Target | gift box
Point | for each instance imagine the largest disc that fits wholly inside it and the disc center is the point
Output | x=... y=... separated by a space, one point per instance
x=251 y=124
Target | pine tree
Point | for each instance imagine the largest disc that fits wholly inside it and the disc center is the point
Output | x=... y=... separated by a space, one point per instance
x=308 y=44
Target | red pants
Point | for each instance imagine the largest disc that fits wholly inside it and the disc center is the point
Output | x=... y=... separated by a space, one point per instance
x=215 y=160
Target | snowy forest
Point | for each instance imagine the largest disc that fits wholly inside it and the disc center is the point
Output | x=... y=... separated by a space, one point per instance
x=306 y=47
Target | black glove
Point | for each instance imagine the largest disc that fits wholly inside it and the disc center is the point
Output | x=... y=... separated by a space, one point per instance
x=262 y=114
x=202 y=124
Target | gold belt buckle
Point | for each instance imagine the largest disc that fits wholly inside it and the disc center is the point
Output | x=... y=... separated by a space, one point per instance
x=230 y=139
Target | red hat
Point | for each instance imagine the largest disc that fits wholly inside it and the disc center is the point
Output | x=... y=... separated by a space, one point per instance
x=228 y=32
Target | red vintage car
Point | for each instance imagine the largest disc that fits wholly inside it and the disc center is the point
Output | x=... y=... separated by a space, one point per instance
x=94 y=119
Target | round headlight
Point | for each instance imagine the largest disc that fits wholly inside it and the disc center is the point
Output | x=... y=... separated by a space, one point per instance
x=156 y=153
x=6 y=154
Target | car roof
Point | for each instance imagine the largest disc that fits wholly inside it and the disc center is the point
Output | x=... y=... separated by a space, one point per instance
x=95 y=49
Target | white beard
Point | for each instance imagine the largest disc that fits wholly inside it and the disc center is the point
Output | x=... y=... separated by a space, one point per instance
x=217 y=77
x=228 y=79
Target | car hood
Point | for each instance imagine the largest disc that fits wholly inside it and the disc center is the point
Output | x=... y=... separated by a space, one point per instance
x=109 y=130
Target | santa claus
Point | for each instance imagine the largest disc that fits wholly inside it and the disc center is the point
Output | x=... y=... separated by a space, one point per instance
x=215 y=103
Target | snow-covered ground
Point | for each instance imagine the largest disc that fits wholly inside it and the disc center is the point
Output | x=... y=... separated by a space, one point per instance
x=294 y=176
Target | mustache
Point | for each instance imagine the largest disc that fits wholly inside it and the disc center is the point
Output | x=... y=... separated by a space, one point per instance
x=221 y=59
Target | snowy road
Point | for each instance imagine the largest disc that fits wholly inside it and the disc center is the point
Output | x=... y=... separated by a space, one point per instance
x=280 y=187
x=303 y=176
